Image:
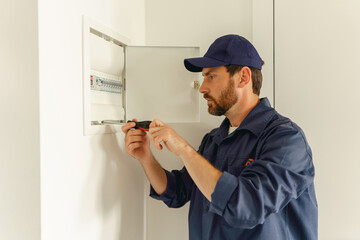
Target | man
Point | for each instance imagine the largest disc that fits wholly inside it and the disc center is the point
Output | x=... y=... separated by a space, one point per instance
x=252 y=178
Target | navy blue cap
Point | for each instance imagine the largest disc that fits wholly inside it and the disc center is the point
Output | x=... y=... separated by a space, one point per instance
x=229 y=49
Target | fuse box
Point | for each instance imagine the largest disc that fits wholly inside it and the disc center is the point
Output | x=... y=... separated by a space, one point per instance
x=121 y=81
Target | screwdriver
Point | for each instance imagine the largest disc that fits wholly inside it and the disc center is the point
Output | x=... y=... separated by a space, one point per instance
x=143 y=125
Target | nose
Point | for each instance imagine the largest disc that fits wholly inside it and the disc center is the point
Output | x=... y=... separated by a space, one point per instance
x=203 y=88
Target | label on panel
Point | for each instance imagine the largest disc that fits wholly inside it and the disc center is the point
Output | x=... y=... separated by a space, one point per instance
x=159 y=86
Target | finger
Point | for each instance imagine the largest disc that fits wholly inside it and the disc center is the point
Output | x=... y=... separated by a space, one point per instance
x=158 y=135
x=126 y=127
x=154 y=133
x=156 y=140
x=158 y=145
x=135 y=139
x=139 y=142
x=133 y=135
x=156 y=123
x=136 y=132
x=154 y=130
x=133 y=146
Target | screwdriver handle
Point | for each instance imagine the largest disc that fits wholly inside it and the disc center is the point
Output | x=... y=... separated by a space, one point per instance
x=143 y=125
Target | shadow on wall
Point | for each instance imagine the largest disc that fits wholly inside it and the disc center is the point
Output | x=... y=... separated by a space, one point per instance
x=113 y=193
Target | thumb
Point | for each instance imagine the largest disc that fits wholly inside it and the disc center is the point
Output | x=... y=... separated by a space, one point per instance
x=156 y=123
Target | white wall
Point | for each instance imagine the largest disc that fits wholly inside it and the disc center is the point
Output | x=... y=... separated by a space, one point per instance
x=262 y=28
x=19 y=121
x=317 y=85
x=91 y=189
x=195 y=23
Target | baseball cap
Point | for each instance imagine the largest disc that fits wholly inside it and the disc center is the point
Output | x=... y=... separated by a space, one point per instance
x=226 y=50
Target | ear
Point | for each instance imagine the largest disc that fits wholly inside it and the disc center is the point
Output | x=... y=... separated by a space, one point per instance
x=245 y=76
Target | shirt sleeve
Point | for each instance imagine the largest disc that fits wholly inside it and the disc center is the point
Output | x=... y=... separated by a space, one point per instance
x=178 y=189
x=179 y=185
x=281 y=172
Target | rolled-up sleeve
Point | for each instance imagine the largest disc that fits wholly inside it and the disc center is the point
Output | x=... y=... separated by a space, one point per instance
x=281 y=171
x=225 y=187
x=178 y=189
x=179 y=185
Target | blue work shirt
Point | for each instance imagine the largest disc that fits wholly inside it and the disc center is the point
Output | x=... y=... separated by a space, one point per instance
x=266 y=190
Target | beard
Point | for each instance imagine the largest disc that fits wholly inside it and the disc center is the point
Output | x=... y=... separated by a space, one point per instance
x=226 y=100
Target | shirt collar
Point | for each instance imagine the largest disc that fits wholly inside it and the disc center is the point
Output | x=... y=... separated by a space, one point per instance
x=255 y=121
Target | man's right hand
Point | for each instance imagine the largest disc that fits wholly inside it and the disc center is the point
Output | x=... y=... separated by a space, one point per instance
x=137 y=143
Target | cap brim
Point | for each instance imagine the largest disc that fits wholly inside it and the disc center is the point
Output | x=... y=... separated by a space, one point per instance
x=197 y=64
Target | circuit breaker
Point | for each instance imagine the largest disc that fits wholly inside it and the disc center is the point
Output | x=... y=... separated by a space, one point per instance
x=121 y=82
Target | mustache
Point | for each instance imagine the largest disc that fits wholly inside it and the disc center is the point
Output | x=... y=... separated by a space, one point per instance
x=208 y=96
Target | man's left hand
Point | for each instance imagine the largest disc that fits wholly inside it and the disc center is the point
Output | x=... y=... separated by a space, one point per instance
x=160 y=132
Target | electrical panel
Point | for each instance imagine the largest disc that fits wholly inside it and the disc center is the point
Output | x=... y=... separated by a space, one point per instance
x=121 y=82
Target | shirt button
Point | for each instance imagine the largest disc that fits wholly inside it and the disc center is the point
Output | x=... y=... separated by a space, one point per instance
x=207 y=208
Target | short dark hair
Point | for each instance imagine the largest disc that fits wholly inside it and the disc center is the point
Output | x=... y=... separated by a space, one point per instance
x=256 y=76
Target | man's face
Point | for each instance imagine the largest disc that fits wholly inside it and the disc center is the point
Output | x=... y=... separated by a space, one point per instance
x=219 y=90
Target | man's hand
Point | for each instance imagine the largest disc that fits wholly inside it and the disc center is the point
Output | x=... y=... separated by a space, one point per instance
x=160 y=132
x=137 y=143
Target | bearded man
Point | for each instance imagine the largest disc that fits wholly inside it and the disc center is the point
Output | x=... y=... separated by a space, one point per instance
x=253 y=177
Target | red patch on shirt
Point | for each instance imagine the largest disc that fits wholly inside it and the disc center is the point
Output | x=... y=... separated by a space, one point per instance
x=249 y=161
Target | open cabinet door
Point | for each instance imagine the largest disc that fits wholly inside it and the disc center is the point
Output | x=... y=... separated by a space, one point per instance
x=159 y=86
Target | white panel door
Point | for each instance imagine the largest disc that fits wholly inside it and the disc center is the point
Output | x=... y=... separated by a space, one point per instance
x=159 y=86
